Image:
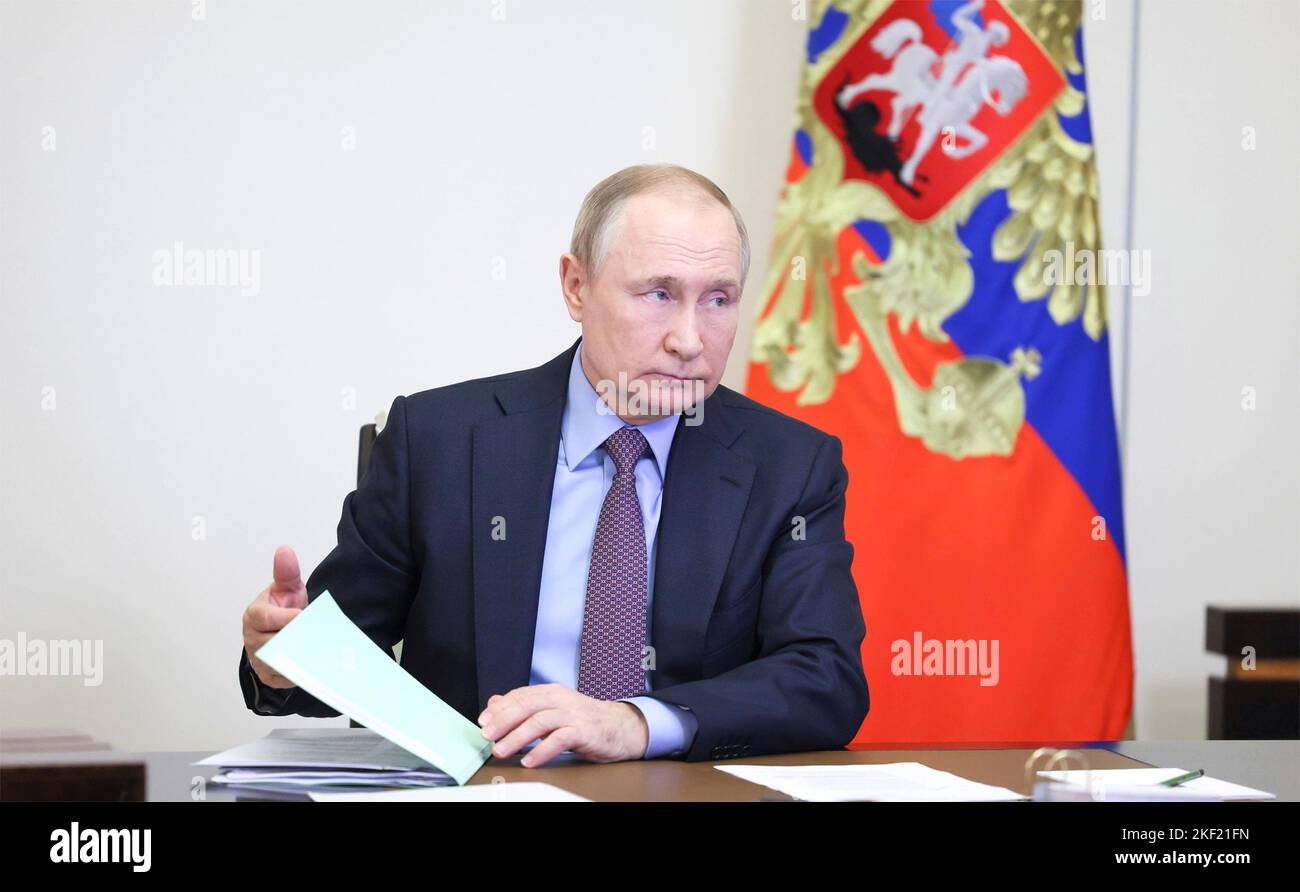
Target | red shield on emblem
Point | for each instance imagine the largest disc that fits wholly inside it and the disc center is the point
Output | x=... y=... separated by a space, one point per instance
x=921 y=110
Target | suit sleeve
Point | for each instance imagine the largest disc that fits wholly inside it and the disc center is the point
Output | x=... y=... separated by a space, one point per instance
x=371 y=572
x=805 y=689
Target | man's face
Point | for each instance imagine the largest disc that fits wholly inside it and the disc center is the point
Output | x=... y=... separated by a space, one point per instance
x=663 y=306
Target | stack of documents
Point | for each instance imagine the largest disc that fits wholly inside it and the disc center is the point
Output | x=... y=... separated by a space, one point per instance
x=893 y=782
x=325 y=759
x=414 y=736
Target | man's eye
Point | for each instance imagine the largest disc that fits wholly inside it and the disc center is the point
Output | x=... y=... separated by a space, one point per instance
x=720 y=300
x=660 y=291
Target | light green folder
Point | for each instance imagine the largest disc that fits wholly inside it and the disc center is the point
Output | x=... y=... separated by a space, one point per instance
x=324 y=653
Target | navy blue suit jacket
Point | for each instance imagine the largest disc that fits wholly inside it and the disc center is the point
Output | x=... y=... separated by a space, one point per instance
x=756 y=623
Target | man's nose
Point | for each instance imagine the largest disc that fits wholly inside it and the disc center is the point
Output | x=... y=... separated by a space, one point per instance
x=684 y=337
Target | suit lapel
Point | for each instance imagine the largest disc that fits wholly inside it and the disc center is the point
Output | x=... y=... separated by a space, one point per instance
x=514 y=459
x=705 y=494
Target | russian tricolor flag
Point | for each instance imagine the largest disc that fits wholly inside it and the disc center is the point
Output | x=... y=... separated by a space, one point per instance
x=936 y=299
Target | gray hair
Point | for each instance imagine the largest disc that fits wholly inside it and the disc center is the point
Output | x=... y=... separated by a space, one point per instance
x=603 y=203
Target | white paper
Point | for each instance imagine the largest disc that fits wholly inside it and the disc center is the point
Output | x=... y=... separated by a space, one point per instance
x=317 y=778
x=893 y=782
x=526 y=791
x=1118 y=784
x=324 y=653
x=333 y=748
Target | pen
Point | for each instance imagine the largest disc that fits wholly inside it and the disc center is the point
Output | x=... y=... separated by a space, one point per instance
x=1182 y=778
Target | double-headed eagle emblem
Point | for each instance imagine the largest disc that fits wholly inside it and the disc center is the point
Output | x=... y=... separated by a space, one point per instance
x=971 y=108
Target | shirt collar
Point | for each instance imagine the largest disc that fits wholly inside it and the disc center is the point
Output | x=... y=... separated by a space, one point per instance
x=584 y=428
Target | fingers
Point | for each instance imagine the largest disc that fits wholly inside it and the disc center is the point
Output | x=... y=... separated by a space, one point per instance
x=536 y=725
x=287 y=590
x=272 y=610
x=504 y=712
x=560 y=717
x=264 y=615
x=505 y=717
x=253 y=641
x=558 y=741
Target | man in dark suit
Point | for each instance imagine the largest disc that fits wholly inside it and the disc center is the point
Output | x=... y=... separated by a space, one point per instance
x=610 y=554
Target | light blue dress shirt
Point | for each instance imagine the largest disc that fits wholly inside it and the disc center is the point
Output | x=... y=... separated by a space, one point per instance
x=583 y=474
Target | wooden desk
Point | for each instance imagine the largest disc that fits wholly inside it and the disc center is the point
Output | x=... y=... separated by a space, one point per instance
x=171 y=776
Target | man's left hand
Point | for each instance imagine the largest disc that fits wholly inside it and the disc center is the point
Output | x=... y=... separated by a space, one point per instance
x=597 y=730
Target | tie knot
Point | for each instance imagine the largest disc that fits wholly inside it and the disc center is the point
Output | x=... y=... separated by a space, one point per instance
x=626 y=446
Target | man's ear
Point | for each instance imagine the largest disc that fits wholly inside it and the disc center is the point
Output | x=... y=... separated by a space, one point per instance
x=573 y=284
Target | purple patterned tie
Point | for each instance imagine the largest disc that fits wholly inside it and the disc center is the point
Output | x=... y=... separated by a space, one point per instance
x=614 y=619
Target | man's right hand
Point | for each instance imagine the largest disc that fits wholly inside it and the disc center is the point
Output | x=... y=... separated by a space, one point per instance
x=272 y=610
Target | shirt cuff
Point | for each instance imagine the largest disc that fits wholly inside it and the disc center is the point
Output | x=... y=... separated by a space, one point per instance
x=264 y=700
x=672 y=728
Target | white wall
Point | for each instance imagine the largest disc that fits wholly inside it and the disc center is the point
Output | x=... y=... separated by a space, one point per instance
x=475 y=139
x=1213 y=491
